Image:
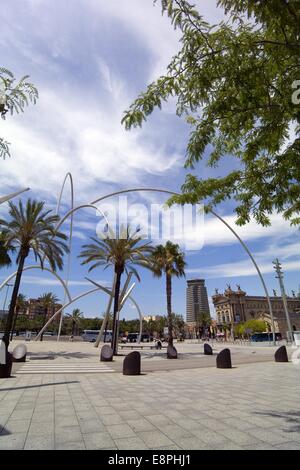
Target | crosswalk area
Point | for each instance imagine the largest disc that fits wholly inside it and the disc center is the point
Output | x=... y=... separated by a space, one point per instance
x=32 y=367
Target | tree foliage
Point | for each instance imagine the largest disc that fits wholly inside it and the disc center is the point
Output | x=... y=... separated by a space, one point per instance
x=13 y=99
x=236 y=85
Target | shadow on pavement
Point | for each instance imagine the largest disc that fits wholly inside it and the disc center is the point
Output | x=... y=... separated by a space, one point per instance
x=290 y=417
x=38 y=385
x=64 y=354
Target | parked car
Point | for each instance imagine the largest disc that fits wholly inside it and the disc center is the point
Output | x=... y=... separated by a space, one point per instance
x=146 y=338
x=132 y=337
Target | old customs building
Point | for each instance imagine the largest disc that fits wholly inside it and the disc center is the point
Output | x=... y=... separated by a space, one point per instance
x=235 y=306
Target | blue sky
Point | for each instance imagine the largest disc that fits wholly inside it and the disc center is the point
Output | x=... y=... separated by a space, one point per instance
x=89 y=60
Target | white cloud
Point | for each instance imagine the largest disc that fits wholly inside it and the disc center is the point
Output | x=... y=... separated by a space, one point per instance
x=288 y=254
x=84 y=140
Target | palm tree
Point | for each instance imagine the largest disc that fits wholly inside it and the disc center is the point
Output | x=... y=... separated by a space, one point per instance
x=21 y=304
x=168 y=259
x=47 y=301
x=5 y=259
x=203 y=320
x=75 y=317
x=121 y=253
x=31 y=229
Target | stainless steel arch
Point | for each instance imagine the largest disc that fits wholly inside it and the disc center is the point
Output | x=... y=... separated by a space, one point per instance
x=68 y=175
x=91 y=291
x=12 y=195
x=11 y=276
x=223 y=221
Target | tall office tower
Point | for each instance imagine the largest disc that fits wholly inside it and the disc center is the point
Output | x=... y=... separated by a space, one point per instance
x=196 y=299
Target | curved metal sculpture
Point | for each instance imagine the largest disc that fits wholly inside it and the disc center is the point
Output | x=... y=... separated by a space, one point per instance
x=70 y=214
x=83 y=294
x=123 y=191
x=12 y=195
x=68 y=175
x=27 y=268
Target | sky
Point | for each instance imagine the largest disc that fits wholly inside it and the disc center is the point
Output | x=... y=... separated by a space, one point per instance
x=89 y=60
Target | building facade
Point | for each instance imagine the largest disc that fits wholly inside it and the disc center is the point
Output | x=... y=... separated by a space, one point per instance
x=235 y=306
x=33 y=309
x=196 y=299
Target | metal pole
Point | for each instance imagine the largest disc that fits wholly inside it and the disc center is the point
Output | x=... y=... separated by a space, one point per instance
x=278 y=269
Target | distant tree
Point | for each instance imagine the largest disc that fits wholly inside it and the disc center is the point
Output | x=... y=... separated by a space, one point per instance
x=75 y=318
x=47 y=301
x=256 y=326
x=178 y=324
x=203 y=320
x=21 y=304
x=13 y=98
x=5 y=259
x=22 y=323
x=168 y=260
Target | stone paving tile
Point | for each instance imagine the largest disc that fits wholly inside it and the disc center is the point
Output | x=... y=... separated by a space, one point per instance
x=172 y=431
x=71 y=446
x=45 y=442
x=129 y=415
x=263 y=446
x=67 y=434
x=112 y=419
x=288 y=446
x=19 y=425
x=41 y=417
x=141 y=424
x=40 y=428
x=227 y=446
x=21 y=415
x=12 y=441
x=212 y=424
x=94 y=425
x=155 y=439
x=105 y=410
x=117 y=431
x=158 y=420
x=191 y=443
x=236 y=423
x=99 y=440
x=188 y=424
x=239 y=437
x=86 y=415
x=209 y=437
x=129 y=443
x=171 y=447
x=4 y=417
x=270 y=437
x=64 y=421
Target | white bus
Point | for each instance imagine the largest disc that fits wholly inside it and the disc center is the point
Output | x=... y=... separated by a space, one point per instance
x=92 y=335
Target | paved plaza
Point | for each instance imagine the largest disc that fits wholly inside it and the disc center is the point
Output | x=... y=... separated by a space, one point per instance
x=255 y=405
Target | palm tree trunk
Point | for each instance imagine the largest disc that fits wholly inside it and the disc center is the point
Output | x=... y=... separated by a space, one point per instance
x=14 y=297
x=73 y=328
x=115 y=314
x=14 y=324
x=169 y=308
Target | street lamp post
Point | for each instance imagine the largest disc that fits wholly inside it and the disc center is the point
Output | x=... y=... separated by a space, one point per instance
x=278 y=269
